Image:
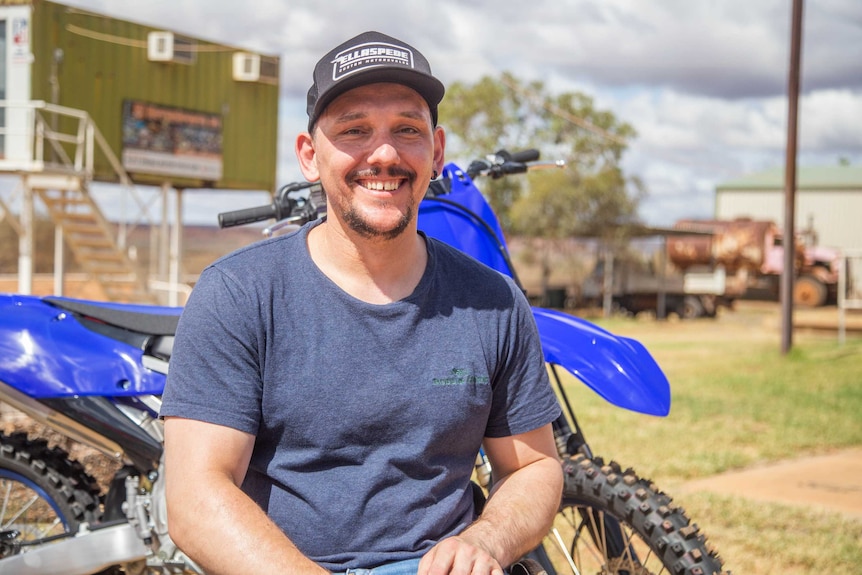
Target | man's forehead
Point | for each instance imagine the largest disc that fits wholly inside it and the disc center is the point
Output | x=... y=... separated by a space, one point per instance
x=362 y=100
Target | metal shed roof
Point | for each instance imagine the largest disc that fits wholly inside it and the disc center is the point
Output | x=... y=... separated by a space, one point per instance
x=807 y=178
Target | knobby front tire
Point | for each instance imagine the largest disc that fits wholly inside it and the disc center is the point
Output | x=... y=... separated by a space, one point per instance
x=611 y=522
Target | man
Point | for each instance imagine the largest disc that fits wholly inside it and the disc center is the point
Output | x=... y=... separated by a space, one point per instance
x=329 y=389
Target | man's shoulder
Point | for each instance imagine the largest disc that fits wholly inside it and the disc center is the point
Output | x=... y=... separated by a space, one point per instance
x=266 y=253
x=469 y=273
x=455 y=258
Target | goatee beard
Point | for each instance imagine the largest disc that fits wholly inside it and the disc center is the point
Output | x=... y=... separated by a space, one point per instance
x=360 y=225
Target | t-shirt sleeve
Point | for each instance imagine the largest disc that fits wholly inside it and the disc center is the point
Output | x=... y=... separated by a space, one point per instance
x=523 y=397
x=215 y=373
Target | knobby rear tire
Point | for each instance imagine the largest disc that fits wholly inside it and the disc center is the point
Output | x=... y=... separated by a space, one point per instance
x=44 y=493
x=603 y=506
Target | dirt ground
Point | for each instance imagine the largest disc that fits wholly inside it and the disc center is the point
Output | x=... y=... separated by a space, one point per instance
x=830 y=482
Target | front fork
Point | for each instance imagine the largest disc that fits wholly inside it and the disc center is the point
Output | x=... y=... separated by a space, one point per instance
x=567 y=433
x=571 y=441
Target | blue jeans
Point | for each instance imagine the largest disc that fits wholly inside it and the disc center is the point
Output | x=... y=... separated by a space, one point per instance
x=406 y=567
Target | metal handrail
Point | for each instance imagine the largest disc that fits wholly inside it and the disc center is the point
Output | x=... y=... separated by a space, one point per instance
x=39 y=137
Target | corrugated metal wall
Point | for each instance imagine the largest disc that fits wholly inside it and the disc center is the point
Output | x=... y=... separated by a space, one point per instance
x=105 y=62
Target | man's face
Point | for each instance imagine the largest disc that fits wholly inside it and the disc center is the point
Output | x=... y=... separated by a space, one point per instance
x=374 y=150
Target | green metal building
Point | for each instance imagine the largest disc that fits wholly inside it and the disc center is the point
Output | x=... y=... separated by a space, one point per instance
x=193 y=99
x=85 y=98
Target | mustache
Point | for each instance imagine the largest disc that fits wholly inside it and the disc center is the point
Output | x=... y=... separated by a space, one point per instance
x=391 y=171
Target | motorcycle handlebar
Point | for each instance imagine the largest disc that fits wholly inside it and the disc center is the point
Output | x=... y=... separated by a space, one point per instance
x=530 y=155
x=298 y=201
x=246 y=216
x=503 y=163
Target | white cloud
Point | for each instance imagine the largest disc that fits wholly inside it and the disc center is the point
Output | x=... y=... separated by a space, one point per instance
x=703 y=82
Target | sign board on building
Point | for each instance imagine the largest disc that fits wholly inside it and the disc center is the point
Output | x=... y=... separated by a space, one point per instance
x=164 y=140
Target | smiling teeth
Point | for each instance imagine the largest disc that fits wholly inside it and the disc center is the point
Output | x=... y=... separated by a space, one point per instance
x=378 y=186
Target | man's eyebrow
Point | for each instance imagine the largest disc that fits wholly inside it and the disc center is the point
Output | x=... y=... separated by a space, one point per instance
x=350 y=116
x=359 y=115
x=413 y=114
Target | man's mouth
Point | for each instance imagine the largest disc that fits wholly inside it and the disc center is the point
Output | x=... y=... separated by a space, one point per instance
x=381 y=185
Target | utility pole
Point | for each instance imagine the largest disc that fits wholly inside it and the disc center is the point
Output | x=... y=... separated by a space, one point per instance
x=788 y=276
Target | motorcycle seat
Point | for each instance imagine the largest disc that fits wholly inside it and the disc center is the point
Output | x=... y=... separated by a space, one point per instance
x=151 y=323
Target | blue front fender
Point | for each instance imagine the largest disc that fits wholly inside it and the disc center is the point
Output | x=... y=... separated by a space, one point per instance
x=619 y=369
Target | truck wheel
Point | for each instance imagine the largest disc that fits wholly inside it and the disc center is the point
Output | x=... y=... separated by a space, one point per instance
x=691 y=308
x=808 y=291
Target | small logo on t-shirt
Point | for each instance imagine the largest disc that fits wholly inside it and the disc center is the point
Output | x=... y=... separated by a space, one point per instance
x=460 y=376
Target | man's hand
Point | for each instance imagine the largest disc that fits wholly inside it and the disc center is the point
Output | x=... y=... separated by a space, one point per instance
x=459 y=556
x=528 y=485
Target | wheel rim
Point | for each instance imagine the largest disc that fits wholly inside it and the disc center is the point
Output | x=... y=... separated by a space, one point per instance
x=26 y=508
x=579 y=544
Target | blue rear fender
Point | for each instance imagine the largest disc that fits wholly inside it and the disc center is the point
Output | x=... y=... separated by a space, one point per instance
x=47 y=353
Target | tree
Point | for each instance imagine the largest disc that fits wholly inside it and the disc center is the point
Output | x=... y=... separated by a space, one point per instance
x=591 y=196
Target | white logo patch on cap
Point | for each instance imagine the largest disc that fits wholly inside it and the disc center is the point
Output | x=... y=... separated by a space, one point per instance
x=370 y=55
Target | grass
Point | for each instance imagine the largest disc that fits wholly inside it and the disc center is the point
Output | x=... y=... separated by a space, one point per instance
x=737 y=401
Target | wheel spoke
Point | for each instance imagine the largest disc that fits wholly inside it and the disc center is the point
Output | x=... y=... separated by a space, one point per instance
x=6 y=497
x=24 y=508
x=561 y=544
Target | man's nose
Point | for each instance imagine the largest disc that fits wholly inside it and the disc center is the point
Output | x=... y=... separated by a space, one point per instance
x=384 y=152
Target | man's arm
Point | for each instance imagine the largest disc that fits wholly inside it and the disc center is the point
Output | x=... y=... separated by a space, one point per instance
x=209 y=517
x=528 y=486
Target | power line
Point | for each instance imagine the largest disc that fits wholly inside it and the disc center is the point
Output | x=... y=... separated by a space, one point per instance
x=564 y=114
x=120 y=40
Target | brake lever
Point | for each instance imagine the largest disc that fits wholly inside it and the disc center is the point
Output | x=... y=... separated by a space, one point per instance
x=280 y=224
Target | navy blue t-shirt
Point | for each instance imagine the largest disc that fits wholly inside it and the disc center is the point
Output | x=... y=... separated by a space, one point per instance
x=367 y=417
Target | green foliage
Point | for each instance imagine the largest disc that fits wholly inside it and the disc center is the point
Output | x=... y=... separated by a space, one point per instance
x=591 y=196
x=566 y=203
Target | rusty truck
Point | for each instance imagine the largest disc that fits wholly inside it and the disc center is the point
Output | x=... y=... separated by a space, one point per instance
x=718 y=262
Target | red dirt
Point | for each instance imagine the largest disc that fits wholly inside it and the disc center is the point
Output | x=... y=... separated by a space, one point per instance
x=830 y=482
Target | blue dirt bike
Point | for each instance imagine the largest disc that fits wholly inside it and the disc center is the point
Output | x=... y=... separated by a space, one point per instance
x=88 y=376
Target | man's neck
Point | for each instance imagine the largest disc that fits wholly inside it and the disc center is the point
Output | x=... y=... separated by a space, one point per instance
x=374 y=270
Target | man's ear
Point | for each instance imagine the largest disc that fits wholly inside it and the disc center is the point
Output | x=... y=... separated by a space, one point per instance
x=305 y=154
x=439 y=149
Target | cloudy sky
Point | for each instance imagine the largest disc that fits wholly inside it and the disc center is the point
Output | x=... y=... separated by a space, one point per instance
x=704 y=82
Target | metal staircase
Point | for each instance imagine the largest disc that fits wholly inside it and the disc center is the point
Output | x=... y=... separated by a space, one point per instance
x=60 y=172
x=90 y=237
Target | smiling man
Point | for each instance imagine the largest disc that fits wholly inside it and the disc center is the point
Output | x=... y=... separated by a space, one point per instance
x=329 y=389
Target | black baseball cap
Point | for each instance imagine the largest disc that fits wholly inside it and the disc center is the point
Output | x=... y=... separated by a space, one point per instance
x=370 y=58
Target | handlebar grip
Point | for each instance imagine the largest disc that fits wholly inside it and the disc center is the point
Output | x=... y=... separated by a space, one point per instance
x=530 y=155
x=246 y=216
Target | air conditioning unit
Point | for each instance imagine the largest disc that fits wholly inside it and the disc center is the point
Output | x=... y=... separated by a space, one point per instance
x=246 y=67
x=170 y=47
x=249 y=67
